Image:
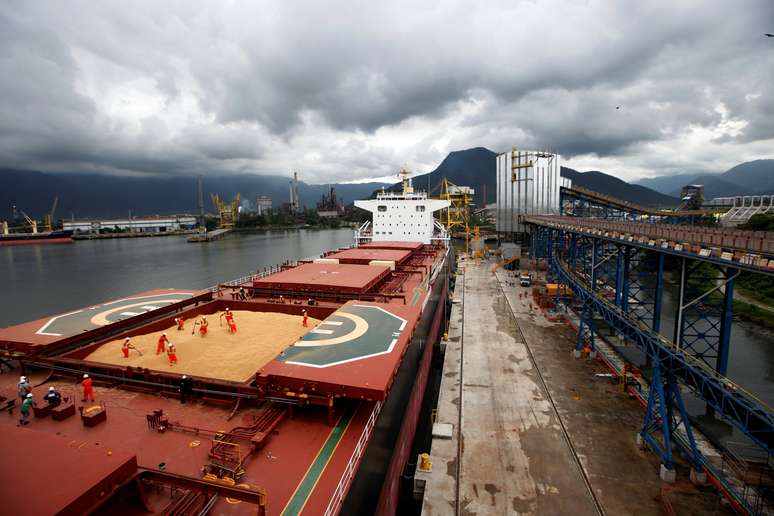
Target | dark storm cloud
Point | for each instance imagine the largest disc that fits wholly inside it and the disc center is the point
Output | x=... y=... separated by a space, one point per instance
x=353 y=90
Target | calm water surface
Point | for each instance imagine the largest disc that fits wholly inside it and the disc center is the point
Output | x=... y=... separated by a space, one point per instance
x=41 y=280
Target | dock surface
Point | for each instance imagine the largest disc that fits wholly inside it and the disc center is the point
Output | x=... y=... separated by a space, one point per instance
x=209 y=236
x=534 y=430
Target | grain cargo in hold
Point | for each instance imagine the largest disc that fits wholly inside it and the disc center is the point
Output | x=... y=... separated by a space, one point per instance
x=260 y=337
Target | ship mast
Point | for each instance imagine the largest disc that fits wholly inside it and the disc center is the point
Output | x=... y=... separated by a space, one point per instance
x=405 y=176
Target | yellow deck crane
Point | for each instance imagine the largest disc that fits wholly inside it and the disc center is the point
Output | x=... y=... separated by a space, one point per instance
x=48 y=219
x=228 y=213
x=33 y=224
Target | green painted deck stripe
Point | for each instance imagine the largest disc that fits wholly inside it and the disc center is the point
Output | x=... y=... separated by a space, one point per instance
x=305 y=488
x=416 y=296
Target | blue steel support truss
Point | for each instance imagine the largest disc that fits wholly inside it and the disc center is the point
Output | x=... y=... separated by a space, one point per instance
x=593 y=268
x=704 y=312
x=585 y=338
x=660 y=415
x=736 y=406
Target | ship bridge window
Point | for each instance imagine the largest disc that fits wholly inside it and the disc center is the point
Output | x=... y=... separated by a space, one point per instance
x=421 y=207
x=381 y=207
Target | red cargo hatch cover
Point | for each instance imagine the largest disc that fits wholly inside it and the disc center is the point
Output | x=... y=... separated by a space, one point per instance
x=393 y=244
x=325 y=277
x=363 y=256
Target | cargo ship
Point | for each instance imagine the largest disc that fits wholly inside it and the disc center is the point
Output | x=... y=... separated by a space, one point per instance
x=48 y=237
x=293 y=390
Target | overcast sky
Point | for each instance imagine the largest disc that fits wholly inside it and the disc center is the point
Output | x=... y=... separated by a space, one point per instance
x=350 y=90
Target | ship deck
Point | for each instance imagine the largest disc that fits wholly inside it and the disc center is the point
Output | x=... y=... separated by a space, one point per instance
x=299 y=467
x=321 y=393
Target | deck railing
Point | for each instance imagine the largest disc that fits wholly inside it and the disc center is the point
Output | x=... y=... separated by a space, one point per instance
x=349 y=472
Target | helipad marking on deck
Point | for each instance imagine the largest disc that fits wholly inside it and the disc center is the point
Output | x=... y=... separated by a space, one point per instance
x=101 y=319
x=361 y=326
x=41 y=332
x=131 y=314
x=332 y=323
x=59 y=326
x=364 y=331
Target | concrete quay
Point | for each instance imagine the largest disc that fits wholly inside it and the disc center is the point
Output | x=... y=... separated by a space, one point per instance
x=534 y=430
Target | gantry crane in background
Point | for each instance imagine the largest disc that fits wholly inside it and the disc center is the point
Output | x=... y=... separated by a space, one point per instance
x=457 y=216
x=228 y=213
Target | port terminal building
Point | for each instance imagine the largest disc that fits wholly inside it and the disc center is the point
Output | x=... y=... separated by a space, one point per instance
x=134 y=224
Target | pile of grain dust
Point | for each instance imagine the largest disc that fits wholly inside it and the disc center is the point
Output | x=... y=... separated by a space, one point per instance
x=260 y=337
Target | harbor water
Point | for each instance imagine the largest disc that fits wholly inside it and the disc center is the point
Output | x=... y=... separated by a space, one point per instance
x=42 y=280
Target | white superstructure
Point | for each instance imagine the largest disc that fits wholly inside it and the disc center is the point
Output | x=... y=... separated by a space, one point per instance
x=404 y=217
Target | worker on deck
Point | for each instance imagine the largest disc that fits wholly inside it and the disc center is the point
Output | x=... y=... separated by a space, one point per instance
x=52 y=397
x=88 y=391
x=125 y=347
x=27 y=404
x=180 y=323
x=186 y=388
x=172 y=354
x=203 y=324
x=305 y=323
x=242 y=294
x=163 y=340
x=23 y=388
x=229 y=315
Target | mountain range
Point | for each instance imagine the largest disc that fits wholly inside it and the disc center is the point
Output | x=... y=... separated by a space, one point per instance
x=99 y=195
x=86 y=195
x=749 y=178
x=477 y=168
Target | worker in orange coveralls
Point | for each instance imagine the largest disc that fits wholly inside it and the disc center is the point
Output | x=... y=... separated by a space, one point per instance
x=229 y=315
x=180 y=323
x=203 y=326
x=88 y=392
x=163 y=340
x=172 y=354
x=306 y=319
x=125 y=347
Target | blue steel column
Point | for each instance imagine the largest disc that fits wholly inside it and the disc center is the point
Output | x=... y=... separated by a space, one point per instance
x=594 y=245
x=725 y=322
x=619 y=276
x=627 y=267
x=680 y=302
x=658 y=295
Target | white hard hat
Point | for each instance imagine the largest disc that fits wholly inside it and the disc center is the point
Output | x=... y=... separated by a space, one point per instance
x=126 y=338
x=22 y=378
x=29 y=395
x=51 y=388
x=163 y=334
x=85 y=376
x=227 y=309
x=184 y=377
